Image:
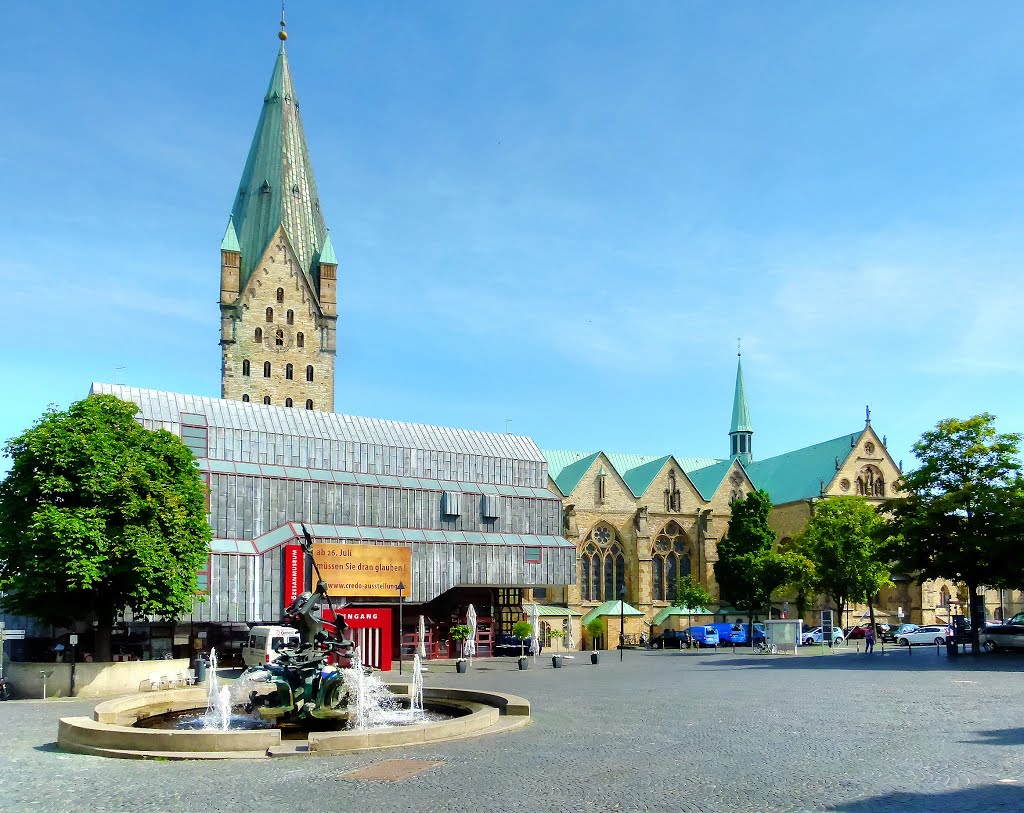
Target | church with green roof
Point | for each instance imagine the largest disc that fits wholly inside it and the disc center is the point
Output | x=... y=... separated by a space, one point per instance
x=640 y=522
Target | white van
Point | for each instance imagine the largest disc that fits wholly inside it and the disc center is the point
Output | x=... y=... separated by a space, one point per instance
x=264 y=642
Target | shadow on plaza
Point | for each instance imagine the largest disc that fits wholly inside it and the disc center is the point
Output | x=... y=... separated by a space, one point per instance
x=978 y=798
x=892 y=658
x=1000 y=736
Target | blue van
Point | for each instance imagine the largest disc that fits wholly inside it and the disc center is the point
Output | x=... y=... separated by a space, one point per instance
x=731 y=633
x=704 y=635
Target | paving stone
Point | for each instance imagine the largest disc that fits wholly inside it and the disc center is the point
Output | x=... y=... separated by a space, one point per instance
x=662 y=731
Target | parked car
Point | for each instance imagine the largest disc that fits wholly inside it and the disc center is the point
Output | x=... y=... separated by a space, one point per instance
x=264 y=644
x=817 y=636
x=671 y=639
x=1008 y=636
x=932 y=634
x=731 y=633
x=895 y=633
x=704 y=635
x=859 y=630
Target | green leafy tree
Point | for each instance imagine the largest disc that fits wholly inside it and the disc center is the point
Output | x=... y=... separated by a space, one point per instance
x=842 y=540
x=749 y=569
x=962 y=507
x=690 y=595
x=97 y=514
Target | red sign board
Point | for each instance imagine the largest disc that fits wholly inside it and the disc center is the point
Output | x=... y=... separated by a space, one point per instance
x=294 y=573
x=370 y=628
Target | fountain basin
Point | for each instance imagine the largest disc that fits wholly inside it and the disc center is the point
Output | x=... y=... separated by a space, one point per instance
x=112 y=731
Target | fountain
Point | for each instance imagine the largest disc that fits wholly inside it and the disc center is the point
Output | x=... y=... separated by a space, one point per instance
x=319 y=691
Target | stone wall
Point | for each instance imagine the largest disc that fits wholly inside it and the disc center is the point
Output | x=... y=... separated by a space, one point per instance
x=279 y=269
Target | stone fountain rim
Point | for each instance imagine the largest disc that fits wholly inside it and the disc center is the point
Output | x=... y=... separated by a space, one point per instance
x=111 y=731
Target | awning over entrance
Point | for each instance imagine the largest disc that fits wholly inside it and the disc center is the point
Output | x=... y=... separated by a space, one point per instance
x=611 y=608
x=666 y=613
x=551 y=610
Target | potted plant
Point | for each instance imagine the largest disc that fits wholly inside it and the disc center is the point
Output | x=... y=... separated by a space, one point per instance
x=461 y=633
x=556 y=659
x=522 y=630
x=595 y=628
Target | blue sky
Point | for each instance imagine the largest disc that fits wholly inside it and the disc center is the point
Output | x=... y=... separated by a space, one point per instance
x=551 y=217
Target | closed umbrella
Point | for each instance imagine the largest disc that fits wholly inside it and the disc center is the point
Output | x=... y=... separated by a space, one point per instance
x=570 y=642
x=535 y=638
x=422 y=648
x=469 y=645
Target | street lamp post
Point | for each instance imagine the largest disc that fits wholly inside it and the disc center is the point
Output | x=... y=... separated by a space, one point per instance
x=622 y=621
x=401 y=588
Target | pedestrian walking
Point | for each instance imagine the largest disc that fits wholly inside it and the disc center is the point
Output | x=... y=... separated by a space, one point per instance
x=869 y=640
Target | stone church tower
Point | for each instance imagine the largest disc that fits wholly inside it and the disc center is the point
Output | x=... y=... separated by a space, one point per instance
x=278 y=269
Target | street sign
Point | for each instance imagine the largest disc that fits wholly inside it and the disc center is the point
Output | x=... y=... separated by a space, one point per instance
x=12 y=635
x=899 y=612
x=73 y=639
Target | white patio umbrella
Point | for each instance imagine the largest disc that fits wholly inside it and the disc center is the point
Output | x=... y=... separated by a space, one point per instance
x=421 y=649
x=535 y=639
x=469 y=645
x=570 y=642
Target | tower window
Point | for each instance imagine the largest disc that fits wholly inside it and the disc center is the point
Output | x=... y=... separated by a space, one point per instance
x=280 y=294
x=309 y=404
x=245 y=398
x=258 y=336
x=291 y=317
x=300 y=339
x=279 y=338
x=287 y=402
x=289 y=372
x=270 y=314
x=266 y=399
x=245 y=367
x=309 y=372
x=266 y=369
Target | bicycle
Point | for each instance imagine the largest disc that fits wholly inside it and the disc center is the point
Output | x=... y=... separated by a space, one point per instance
x=762 y=647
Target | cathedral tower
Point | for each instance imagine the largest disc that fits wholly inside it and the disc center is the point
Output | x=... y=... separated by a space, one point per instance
x=741 y=432
x=278 y=297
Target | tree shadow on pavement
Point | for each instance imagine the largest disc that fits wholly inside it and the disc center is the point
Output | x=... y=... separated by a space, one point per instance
x=891 y=660
x=977 y=798
x=1000 y=736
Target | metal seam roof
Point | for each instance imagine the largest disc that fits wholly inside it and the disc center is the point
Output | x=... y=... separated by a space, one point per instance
x=166 y=407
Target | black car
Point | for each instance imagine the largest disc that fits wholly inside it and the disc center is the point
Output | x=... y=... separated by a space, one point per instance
x=672 y=639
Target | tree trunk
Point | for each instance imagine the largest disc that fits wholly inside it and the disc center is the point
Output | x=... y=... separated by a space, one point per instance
x=103 y=636
x=973 y=614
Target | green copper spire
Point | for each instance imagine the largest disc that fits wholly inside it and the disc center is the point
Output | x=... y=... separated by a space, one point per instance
x=327 y=252
x=230 y=241
x=277 y=186
x=741 y=430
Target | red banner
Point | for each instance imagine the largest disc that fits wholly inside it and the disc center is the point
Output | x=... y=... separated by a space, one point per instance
x=294 y=573
x=370 y=628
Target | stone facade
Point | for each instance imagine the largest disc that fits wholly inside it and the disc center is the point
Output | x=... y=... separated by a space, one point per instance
x=278 y=320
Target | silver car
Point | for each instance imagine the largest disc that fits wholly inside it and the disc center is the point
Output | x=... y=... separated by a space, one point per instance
x=1007 y=636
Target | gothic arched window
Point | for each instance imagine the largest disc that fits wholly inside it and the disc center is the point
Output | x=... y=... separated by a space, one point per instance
x=670 y=562
x=258 y=336
x=288 y=372
x=300 y=340
x=245 y=367
x=309 y=372
x=288 y=402
x=266 y=369
x=280 y=294
x=602 y=566
x=270 y=314
x=309 y=404
x=290 y=317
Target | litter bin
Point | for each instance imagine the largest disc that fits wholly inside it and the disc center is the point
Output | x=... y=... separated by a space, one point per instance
x=201 y=664
x=951 y=645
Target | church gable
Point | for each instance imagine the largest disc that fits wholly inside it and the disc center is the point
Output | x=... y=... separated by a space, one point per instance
x=671 y=490
x=866 y=471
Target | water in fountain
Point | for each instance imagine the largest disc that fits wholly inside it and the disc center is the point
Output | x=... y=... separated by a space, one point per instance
x=372 y=705
x=416 y=705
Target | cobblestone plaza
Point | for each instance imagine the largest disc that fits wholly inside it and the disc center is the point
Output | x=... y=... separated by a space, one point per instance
x=672 y=731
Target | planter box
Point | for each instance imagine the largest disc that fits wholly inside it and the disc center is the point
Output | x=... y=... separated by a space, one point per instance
x=460 y=667
x=556 y=661
x=524 y=663
x=594 y=657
